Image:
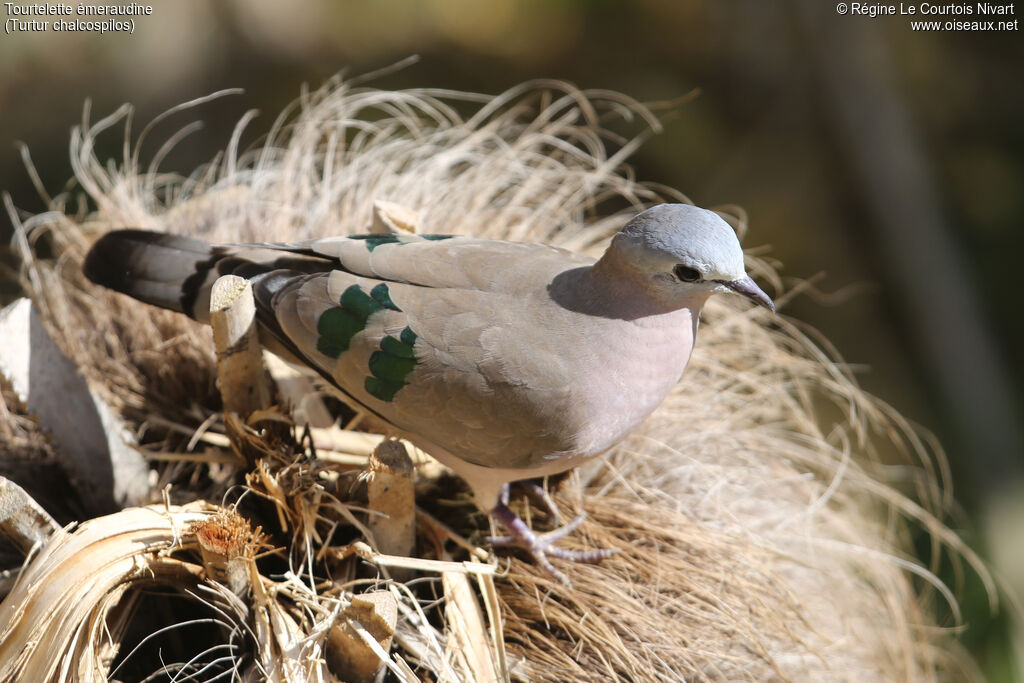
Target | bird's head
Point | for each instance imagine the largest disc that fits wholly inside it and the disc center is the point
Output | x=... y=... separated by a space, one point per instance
x=683 y=252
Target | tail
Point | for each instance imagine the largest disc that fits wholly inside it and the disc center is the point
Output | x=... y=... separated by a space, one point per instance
x=178 y=272
x=165 y=270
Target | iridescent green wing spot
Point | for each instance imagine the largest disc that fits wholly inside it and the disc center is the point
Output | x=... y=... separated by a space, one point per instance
x=396 y=348
x=363 y=305
x=391 y=365
x=338 y=324
x=382 y=296
x=374 y=241
x=408 y=337
x=336 y=328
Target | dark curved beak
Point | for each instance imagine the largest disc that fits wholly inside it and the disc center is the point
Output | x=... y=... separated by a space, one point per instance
x=748 y=288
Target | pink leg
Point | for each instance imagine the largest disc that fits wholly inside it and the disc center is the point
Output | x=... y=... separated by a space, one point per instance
x=542 y=546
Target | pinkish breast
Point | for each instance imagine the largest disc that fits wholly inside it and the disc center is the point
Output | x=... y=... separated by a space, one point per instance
x=627 y=377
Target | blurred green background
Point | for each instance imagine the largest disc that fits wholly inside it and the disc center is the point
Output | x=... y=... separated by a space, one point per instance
x=886 y=163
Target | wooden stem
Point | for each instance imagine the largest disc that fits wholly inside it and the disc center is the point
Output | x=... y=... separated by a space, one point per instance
x=350 y=656
x=240 y=372
x=22 y=520
x=390 y=493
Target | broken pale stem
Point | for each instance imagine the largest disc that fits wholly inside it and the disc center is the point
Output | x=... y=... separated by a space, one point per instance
x=22 y=520
x=350 y=654
x=240 y=372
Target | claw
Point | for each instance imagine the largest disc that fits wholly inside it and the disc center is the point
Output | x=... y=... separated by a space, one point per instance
x=542 y=546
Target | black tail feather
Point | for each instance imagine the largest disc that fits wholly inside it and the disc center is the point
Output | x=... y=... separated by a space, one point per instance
x=178 y=272
x=158 y=268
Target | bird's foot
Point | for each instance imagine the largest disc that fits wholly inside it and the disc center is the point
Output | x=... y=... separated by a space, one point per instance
x=542 y=546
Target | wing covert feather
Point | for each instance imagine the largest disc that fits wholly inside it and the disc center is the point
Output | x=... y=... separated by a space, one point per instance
x=464 y=383
x=451 y=261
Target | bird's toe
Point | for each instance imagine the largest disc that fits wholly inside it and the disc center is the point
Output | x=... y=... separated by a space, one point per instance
x=542 y=546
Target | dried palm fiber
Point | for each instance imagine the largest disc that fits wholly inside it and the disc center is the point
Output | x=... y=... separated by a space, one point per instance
x=761 y=541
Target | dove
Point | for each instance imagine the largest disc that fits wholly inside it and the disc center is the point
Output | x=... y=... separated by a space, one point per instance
x=505 y=361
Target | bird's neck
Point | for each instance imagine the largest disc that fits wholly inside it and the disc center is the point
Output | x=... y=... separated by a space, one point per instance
x=642 y=347
x=611 y=289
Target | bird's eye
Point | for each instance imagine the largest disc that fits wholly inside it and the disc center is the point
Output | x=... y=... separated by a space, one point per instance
x=686 y=273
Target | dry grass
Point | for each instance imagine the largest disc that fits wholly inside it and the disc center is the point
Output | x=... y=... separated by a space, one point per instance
x=763 y=537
